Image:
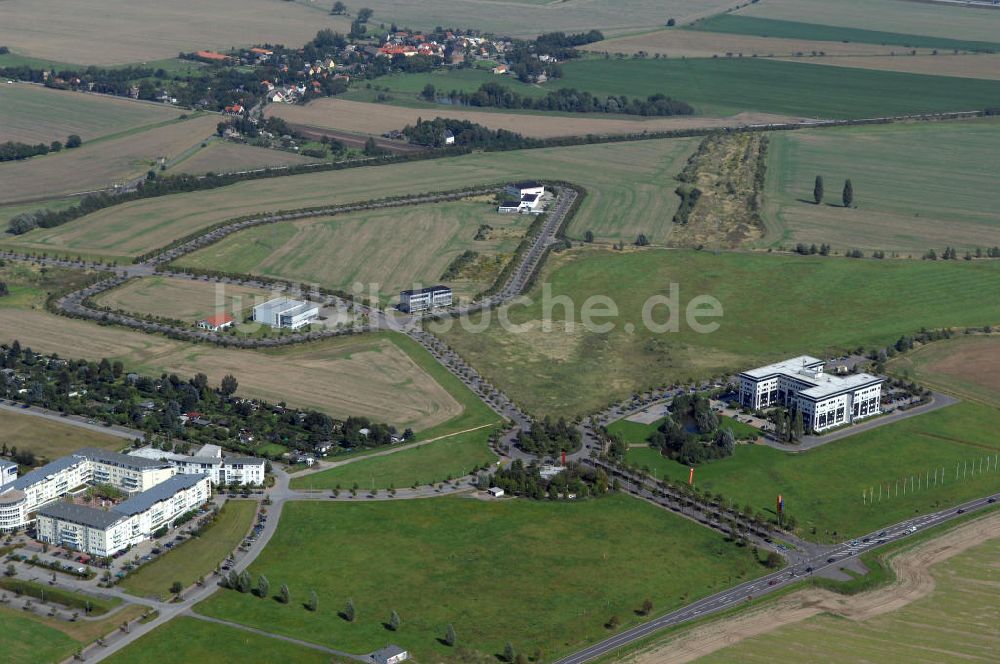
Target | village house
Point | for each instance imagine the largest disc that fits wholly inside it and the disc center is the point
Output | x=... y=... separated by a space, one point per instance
x=216 y=323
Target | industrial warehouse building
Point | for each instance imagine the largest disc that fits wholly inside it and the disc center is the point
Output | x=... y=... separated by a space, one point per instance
x=283 y=312
x=824 y=400
x=411 y=301
x=106 y=532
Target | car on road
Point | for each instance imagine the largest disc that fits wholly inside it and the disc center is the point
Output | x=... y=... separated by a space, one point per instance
x=960 y=511
x=809 y=570
x=772 y=582
x=991 y=500
x=912 y=529
x=831 y=560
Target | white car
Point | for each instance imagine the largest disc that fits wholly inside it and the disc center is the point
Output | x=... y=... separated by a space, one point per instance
x=912 y=529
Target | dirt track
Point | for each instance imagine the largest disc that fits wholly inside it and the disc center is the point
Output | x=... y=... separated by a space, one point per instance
x=913 y=581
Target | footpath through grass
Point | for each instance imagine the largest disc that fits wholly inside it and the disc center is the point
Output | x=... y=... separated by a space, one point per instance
x=822 y=488
x=195 y=557
x=544 y=575
x=452 y=457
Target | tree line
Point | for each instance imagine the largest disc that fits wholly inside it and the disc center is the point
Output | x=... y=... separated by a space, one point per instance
x=15 y=151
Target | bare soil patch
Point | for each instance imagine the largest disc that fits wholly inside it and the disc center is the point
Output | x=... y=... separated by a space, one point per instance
x=368 y=118
x=961 y=65
x=913 y=581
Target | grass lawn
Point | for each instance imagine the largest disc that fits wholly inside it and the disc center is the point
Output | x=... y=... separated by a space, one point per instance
x=577 y=371
x=822 y=488
x=625 y=184
x=633 y=433
x=454 y=456
x=763 y=27
x=50 y=439
x=740 y=429
x=956 y=621
x=195 y=557
x=968 y=366
x=31 y=638
x=187 y=639
x=374 y=248
x=183 y=299
x=731 y=85
x=553 y=573
x=916 y=187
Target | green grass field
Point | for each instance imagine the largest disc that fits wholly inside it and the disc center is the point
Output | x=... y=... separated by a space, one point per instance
x=625 y=184
x=183 y=299
x=373 y=248
x=186 y=639
x=823 y=487
x=35 y=114
x=488 y=568
x=955 y=622
x=196 y=557
x=637 y=433
x=909 y=18
x=916 y=187
x=761 y=27
x=574 y=372
x=50 y=439
x=435 y=462
x=725 y=86
x=30 y=641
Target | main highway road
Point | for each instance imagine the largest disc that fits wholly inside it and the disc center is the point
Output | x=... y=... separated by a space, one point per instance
x=740 y=594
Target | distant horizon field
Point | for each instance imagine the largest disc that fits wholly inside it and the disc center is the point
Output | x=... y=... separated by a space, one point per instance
x=917 y=186
x=36 y=114
x=373 y=247
x=439 y=556
x=823 y=487
x=624 y=182
x=576 y=372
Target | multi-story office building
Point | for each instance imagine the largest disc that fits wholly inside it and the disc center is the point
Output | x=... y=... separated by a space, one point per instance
x=411 y=301
x=209 y=461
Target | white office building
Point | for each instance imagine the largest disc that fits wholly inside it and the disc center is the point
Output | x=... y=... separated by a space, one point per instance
x=106 y=532
x=825 y=400
x=283 y=312
x=8 y=472
x=432 y=297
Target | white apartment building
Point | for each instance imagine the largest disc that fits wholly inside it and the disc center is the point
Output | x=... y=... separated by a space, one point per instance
x=8 y=472
x=47 y=484
x=209 y=461
x=106 y=532
x=411 y=301
x=825 y=400
x=286 y=312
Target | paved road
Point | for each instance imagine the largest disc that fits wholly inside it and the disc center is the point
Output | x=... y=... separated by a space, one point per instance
x=765 y=585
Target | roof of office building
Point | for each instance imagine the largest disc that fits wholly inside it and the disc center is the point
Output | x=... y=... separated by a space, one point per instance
x=422 y=291
x=793 y=366
x=119 y=459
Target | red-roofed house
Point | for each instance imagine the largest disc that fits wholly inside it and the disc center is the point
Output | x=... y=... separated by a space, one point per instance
x=216 y=323
x=211 y=55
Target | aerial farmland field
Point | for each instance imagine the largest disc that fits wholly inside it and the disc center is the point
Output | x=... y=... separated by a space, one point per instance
x=917 y=187
x=50 y=439
x=182 y=299
x=226 y=157
x=968 y=366
x=375 y=248
x=36 y=114
x=624 y=181
x=574 y=371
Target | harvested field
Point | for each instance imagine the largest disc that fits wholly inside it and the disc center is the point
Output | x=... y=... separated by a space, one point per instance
x=375 y=248
x=226 y=156
x=725 y=179
x=366 y=375
x=962 y=65
x=693 y=44
x=967 y=366
x=624 y=184
x=148 y=30
x=182 y=299
x=916 y=187
x=913 y=619
x=370 y=118
x=36 y=114
x=103 y=164
x=913 y=18
x=49 y=438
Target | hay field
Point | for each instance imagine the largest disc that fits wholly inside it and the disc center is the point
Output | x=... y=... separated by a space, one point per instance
x=49 y=438
x=225 y=156
x=625 y=184
x=560 y=371
x=126 y=31
x=967 y=366
x=900 y=16
x=947 y=613
x=691 y=44
x=366 y=375
x=916 y=187
x=102 y=164
x=370 y=118
x=35 y=114
x=962 y=65
x=182 y=299
x=386 y=250
x=527 y=18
